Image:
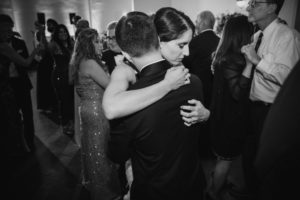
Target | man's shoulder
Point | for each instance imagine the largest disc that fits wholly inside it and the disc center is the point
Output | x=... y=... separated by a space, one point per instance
x=195 y=80
x=284 y=30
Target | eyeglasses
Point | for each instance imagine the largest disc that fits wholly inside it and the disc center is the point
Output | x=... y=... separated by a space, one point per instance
x=253 y=4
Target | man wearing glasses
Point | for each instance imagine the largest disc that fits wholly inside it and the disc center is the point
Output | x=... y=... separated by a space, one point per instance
x=274 y=52
x=112 y=56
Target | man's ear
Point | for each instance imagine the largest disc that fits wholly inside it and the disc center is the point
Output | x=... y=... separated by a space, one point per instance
x=273 y=8
x=127 y=56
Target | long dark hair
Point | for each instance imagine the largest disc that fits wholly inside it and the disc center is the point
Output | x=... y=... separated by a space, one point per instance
x=66 y=50
x=237 y=33
x=171 y=23
x=84 y=49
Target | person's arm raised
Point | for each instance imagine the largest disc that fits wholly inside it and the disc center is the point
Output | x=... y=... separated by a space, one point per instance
x=9 y=52
x=117 y=102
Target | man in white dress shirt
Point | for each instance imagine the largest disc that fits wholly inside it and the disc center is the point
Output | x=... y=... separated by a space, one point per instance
x=273 y=59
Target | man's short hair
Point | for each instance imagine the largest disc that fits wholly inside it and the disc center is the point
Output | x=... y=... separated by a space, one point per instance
x=6 y=19
x=208 y=17
x=82 y=23
x=136 y=34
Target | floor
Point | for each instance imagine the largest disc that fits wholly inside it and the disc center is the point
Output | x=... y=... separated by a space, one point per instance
x=53 y=172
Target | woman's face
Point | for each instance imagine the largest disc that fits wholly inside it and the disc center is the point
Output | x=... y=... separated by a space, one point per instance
x=98 y=45
x=175 y=50
x=62 y=34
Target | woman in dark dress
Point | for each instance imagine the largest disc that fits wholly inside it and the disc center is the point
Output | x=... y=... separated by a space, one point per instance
x=45 y=95
x=61 y=48
x=229 y=99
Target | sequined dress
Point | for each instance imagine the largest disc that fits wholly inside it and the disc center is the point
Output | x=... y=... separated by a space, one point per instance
x=100 y=174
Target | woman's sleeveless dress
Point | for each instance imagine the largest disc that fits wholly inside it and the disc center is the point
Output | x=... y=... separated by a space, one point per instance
x=100 y=174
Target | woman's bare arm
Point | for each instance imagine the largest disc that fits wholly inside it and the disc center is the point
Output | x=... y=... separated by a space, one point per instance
x=92 y=69
x=9 y=52
x=118 y=102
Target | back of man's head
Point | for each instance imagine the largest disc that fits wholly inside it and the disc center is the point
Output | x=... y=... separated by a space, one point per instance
x=82 y=24
x=205 y=20
x=136 y=34
x=279 y=4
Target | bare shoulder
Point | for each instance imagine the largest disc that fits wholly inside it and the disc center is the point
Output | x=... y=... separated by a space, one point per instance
x=124 y=71
x=89 y=66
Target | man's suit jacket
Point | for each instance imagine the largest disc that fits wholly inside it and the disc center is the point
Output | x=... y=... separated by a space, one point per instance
x=108 y=57
x=199 y=61
x=163 y=151
x=20 y=46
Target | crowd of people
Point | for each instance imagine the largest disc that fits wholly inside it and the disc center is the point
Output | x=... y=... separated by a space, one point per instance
x=158 y=95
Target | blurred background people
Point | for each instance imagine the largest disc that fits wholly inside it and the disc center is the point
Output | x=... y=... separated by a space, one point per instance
x=45 y=95
x=229 y=107
x=274 y=53
x=80 y=25
x=112 y=56
x=51 y=26
x=16 y=87
x=198 y=62
x=61 y=48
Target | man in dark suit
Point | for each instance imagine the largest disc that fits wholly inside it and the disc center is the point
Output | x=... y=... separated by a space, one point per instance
x=199 y=62
x=201 y=48
x=112 y=56
x=162 y=149
x=22 y=86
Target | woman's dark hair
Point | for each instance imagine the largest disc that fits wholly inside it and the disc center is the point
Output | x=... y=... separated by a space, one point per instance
x=84 y=49
x=66 y=50
x=237 y=33
x=171 y=23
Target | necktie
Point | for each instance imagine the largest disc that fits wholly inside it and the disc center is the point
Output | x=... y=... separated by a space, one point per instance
x=258 y=42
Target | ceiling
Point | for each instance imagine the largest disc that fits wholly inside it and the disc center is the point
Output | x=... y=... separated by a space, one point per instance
x=7 y=4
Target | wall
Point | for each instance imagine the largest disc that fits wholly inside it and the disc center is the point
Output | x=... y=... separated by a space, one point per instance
x=297 y=21
x=151 y=6
x=193 y=7
x=103 y=11
x=289 y=12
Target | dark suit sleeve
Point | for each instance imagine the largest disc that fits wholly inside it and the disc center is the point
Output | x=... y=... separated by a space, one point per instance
x=119 y=143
